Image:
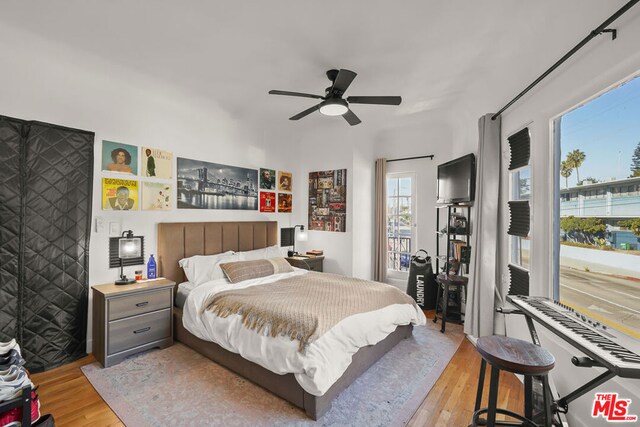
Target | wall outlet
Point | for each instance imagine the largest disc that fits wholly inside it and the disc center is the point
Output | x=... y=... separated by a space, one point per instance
x=114 y=229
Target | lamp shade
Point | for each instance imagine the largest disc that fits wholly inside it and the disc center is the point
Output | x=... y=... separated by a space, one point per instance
x=129 y=247
x=302 y=236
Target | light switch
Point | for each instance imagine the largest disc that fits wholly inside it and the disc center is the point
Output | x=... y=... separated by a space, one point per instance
x=99 y=224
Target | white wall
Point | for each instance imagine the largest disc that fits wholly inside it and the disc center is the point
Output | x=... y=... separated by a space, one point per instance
x=601 y=64
x=77 y=90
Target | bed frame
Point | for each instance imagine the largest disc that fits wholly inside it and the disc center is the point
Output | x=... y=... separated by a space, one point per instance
x=180 y=240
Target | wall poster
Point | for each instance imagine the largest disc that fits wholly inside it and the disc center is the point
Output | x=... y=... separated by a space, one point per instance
x=119 y=194
x=205 y=185
x=156 y=196
x=118 y=157
x=328 y=200
x=267 y=179
x=267 y=201
x=285 y=181
x=285 y=203
x=157 y=163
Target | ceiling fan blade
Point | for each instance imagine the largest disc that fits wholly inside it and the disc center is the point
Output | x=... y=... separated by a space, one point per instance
x=380 y=100
x=342 y=82
x=303 y=95
x=350 y=117
x=305 y=112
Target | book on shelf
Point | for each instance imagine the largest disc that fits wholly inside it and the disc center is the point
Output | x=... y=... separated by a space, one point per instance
x=315 y=252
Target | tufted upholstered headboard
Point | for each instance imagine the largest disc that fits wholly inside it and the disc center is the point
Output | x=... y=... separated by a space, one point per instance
x=177 y=240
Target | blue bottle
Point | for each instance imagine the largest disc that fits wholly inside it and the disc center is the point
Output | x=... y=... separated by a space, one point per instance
x=151 y=268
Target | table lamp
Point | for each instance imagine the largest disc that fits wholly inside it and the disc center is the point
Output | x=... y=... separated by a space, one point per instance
x=128 y=247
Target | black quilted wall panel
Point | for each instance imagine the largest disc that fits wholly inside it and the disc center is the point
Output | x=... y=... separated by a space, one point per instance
x=56 y=190
x=10 y=201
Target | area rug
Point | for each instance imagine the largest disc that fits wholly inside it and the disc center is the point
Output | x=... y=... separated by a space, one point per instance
x=179 y=387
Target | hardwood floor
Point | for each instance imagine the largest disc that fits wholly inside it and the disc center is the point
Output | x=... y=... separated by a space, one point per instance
x=67 y=394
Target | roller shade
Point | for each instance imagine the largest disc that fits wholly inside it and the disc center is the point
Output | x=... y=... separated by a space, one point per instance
x=519 y=281
x=520 y=147
x=519 y=218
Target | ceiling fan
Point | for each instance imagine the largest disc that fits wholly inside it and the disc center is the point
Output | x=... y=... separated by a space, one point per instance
x=332 y=102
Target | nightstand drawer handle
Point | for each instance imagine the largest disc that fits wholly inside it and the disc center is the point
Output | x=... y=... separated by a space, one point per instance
x=142 y=304
x=139 y=331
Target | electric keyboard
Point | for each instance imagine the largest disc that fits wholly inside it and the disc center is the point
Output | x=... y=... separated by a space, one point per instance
x=591 y=337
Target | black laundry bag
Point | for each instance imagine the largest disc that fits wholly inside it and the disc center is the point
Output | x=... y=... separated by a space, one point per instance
x=422 y=286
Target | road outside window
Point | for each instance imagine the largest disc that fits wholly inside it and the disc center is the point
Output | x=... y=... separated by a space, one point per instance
x=599 y=216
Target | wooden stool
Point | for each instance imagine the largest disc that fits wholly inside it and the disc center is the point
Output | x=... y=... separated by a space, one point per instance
x=519 y=357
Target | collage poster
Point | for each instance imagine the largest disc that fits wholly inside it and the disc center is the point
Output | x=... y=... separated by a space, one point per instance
x=157 y=163
x=267 y=201
x=285 y=181
x=284 y=203
x=156 y=196
x=119 y=158
x=119 y=194
x=328 y=200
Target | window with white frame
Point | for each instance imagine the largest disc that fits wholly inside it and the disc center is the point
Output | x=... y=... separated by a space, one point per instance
x=401 y=217
x=597 y=240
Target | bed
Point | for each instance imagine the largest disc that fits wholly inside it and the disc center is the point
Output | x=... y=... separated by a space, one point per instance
x=180 y=240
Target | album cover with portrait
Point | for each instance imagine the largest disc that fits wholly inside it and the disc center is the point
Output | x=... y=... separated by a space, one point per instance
x=119 y=194
x=285 y=181
x=267 y=179
x=156 y=163
x=119 y=158
x=284 y=202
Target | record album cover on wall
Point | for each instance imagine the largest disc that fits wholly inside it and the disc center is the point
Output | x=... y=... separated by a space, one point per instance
x=156 y=196
x=267 y=179
x=285 y=203
x=267 y=201
x=328 y=200
x=119 y=158
x=119 y=194
x=157 y=163
x=285 y=181
x=206 y=185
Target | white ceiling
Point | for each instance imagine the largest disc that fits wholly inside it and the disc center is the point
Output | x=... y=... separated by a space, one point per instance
x=439 y=55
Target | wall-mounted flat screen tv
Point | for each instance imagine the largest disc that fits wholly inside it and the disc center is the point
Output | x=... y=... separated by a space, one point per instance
x=457 y=180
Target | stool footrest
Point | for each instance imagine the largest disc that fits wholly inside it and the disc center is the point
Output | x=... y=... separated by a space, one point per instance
x=477 y=421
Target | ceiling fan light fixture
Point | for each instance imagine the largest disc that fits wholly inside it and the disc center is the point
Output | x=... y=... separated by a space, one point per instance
x=334 y=107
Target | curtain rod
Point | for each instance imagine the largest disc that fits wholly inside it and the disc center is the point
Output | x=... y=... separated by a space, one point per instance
x=413 y=158
x=600 y=30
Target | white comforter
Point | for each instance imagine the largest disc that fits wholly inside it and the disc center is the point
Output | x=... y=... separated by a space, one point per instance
x=324 y=360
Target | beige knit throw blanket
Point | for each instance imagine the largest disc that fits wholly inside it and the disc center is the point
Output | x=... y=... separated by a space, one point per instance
x=304 y=307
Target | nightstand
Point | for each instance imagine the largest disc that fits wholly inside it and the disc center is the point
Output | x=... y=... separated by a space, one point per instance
x=132 y=318
x=312 y=264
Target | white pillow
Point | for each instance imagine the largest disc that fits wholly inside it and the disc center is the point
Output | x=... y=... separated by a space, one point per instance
x=203 y=268
x=271 y=252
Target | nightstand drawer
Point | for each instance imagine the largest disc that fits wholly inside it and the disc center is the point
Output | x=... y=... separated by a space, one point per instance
x=134 y=331
x=139 y=303
x=314 y=265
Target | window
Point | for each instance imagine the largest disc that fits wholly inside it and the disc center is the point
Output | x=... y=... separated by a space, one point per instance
x=520 y=191
x=401 y=214
x=597 y=264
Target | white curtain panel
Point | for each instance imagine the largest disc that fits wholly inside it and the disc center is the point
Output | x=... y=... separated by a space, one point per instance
x=380 y=223
x=484 y=290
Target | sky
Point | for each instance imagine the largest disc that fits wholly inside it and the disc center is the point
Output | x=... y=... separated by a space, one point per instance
x=607 y=129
